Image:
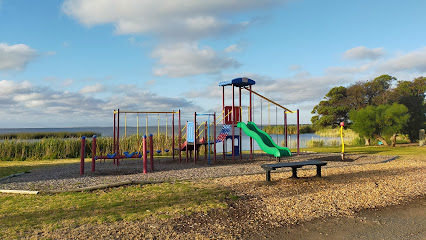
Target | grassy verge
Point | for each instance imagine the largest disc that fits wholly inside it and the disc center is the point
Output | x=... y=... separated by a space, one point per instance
x=20 y=214
x=11 y=167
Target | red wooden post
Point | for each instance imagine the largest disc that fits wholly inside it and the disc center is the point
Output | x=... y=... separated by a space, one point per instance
x=145 y=154
x=151 y=152
x=93 y=153
x=82 y=154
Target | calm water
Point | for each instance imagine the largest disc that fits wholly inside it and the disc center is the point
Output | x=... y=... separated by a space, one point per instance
x=108 y=132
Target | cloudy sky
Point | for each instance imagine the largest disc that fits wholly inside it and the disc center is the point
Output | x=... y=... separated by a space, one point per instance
x=69 y=63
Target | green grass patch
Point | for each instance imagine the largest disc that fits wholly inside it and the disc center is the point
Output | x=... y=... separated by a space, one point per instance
x=20 y=214
x=380 y=150
x=11 y=167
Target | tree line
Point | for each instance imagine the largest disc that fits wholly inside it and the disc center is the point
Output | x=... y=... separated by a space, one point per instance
x=380 y=108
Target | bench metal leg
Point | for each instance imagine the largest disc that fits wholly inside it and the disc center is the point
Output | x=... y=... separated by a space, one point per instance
x=318 y=170
x=294 y=171
x=268 y=175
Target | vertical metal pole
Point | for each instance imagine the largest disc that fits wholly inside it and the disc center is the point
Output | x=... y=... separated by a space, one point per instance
x=125 y=125
x=145 y=154
x=214 y=138
x=251 y=120
x=261 y=117
x=285 y=128
x=82 y=154
x=137 y=126
x=205 y=139
x=118 y=138
x=186 y=148
x=180 y=139
x=93 y=152
x=276 y=123
x=233 y=122
x=195 y=137
x=151 y=152
x=173 y=134
x=298 y=139
x=223 y=122
x=241 y=117
x=115 y=129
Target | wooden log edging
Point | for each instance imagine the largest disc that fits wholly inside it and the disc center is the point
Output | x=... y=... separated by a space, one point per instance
x=92 y=188
x=13 y=175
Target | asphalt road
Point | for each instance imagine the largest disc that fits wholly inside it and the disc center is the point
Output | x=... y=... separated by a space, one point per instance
x=406 y=221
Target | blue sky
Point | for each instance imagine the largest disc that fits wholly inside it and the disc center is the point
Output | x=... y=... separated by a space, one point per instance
x=69 y=63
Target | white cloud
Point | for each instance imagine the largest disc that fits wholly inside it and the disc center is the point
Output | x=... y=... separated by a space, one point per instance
x=22 y=102
x=92 y=88
x=15 y=57
x=414 y=61
x=183 y=59
x=233 y=48
x=362 y=52
x=188 y=19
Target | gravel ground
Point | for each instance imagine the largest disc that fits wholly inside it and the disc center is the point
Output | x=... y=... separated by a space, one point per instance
x=67 y=177
x=264 y=210
x=268 y=210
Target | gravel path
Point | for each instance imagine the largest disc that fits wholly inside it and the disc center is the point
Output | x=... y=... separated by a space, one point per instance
x=67 y=177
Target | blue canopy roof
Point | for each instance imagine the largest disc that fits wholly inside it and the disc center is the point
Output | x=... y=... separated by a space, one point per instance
x=238 y=82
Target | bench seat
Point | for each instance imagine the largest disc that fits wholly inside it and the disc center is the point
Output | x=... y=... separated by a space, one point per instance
x=294 y=166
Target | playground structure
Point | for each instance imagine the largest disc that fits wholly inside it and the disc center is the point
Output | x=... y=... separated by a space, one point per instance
x=231 y=119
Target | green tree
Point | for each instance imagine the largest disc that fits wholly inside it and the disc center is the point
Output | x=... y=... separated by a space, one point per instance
x=331 y=111
x=412 y=95
x=340 y=100
x=380 y=122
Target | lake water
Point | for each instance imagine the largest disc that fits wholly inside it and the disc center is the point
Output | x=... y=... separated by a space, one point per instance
x=108 y=132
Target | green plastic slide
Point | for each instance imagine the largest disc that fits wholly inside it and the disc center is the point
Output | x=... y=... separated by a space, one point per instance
x=263 y=139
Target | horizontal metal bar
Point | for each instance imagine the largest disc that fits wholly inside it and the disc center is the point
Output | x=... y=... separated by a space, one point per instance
x=144 y=112
x=267 y=99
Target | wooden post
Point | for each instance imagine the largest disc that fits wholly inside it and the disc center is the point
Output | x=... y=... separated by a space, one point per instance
x=93 y=153
x=145 y=154
x=82 y=154
x=151 y=152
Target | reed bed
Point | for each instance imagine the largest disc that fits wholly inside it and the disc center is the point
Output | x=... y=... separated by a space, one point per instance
x=41 y=135
x=291 y=129
x=54 y=148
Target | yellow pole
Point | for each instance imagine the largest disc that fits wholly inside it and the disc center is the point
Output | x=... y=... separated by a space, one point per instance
x=166 y=128
x=146 y=125
x=137 y=126
x=125 y=125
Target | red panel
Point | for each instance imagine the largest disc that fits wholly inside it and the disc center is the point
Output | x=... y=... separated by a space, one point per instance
x=228 y=119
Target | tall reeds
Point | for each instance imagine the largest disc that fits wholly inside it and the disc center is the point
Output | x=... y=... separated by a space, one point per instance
x=291 y=129
x=54 y=148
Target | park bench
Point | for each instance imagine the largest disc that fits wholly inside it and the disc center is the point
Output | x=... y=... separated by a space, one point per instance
x=294 y=166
